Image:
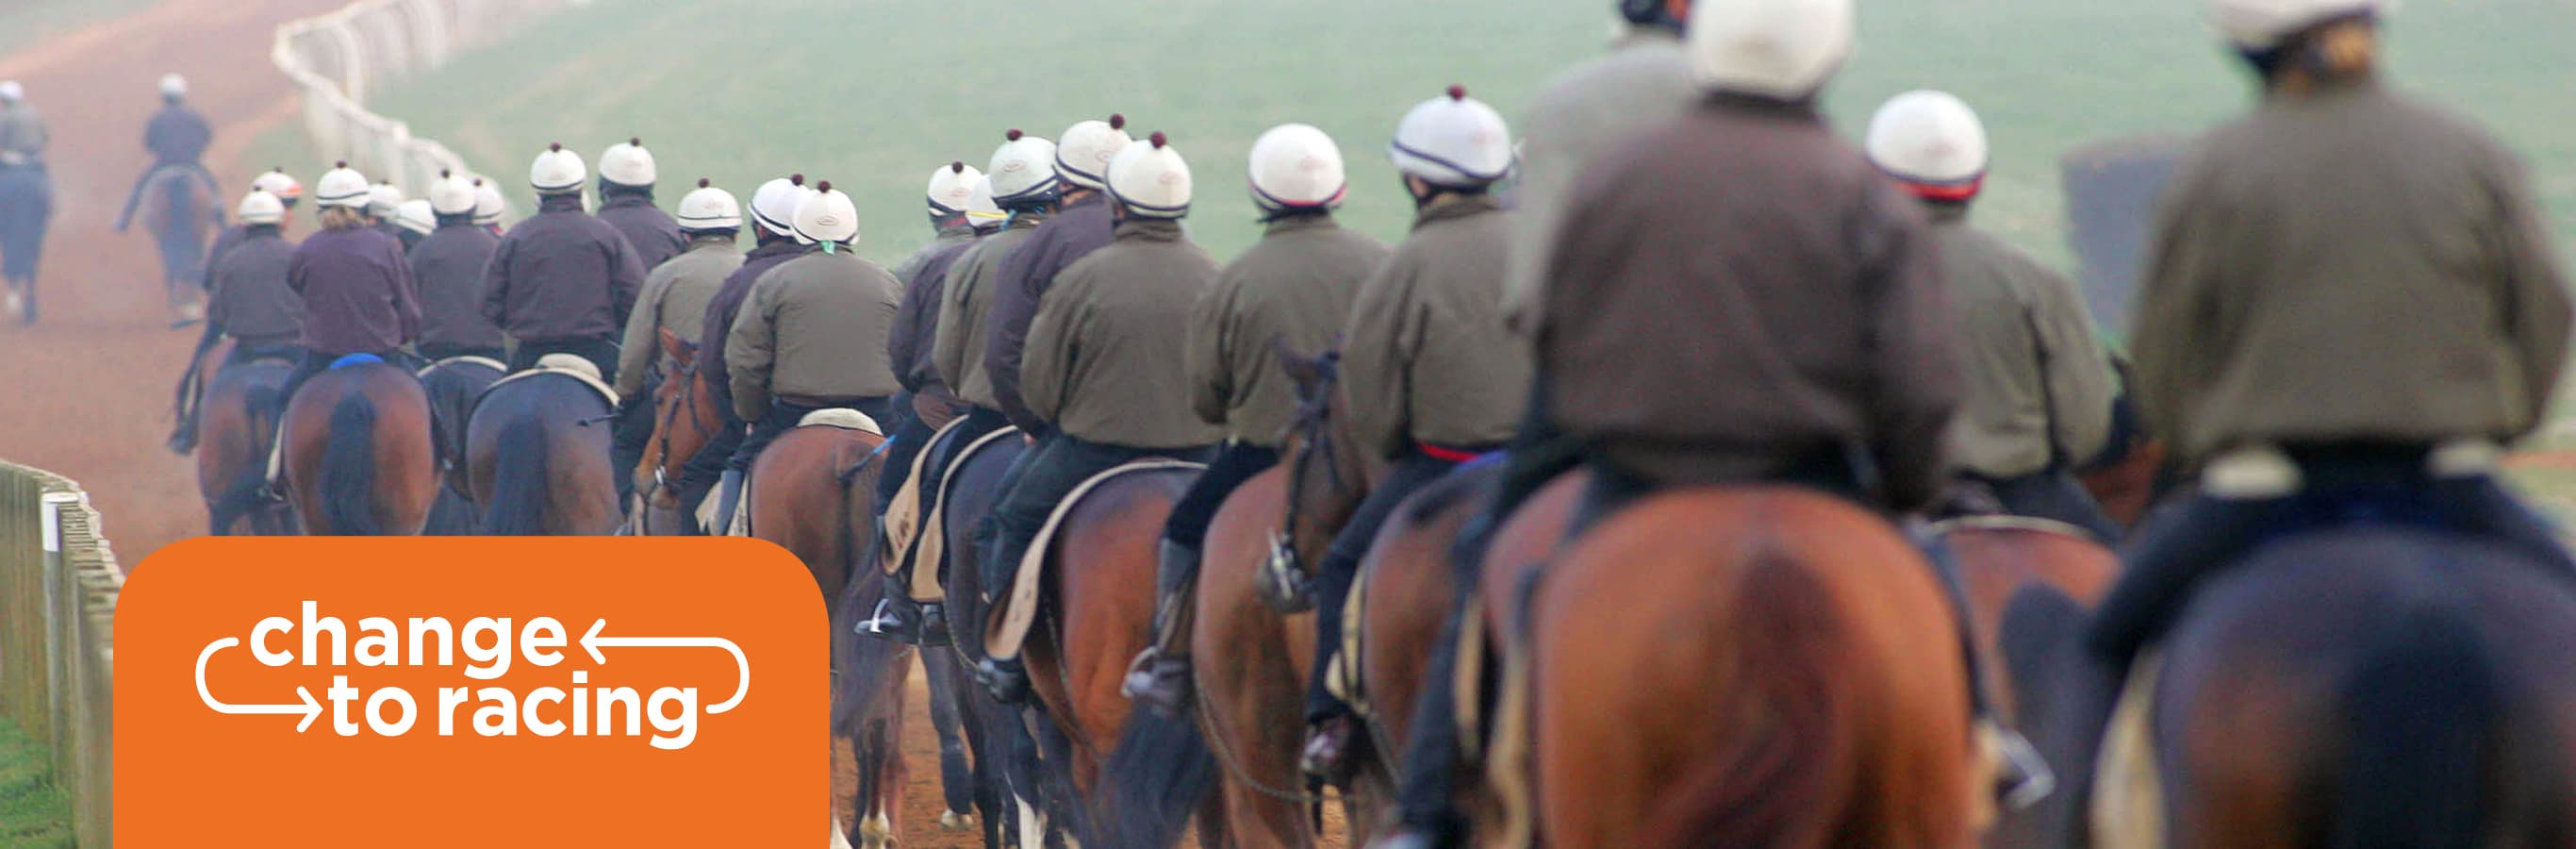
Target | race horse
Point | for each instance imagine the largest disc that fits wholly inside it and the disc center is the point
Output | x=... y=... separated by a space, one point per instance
x=1005 y=753
x=182 y=207
x=868 y=682
x=1746 y=666
x=685 y=417
x=2369 y=685
x=454 y=384
x=536 y=456
x=355 y=452
x=26 y=209
x=236 y=421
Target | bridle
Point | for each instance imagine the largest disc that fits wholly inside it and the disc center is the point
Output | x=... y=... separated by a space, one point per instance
x=1312 y=430
x=683 y=398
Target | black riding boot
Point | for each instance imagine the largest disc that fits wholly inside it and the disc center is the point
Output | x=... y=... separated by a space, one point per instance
x=1160 y=677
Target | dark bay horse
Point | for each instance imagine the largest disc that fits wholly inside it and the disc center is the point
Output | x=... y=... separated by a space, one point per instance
x=685 y=417
x=868 y=681
x=1756 y=666
x=454 y=384
x=182 y=206
x=2368 y=687
x=235 y=425
x=536 y=458
x=1005 y=752
x=356 y=455
x=26 y=209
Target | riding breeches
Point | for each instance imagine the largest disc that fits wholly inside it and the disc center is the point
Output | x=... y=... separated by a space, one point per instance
x=904 y=445
x=629 y=434
x=1407 y=475
x=1235 y=463
x=704 y=469
x=601 y=351
x=1048 y=473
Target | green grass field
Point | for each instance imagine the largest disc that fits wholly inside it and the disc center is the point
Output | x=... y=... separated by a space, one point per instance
x=872 y=94
x=33 y=814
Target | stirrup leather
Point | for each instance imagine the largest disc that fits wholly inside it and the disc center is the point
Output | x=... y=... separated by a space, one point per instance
x=1282 y=580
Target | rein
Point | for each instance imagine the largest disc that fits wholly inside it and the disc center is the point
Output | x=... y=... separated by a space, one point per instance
x=1313 y=427
x=684 y=398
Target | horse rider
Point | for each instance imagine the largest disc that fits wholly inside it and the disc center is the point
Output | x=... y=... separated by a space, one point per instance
x=22 y=130
x=2038 y=385
x=287 y=191
x=489 y=206
x=384 y=210
x=1023 y=181
x=674 y=300
x=1293 y=288
x=1434 y=375
x=773 y=219
x=177 y=136
x=961 y=206
x=355 y=285
x=2327 y=320
x=562 y=281
x=1082 y=224
x=626 y=177
x=26 y=196
x=278 y=184
x=416 y=219
x=812 y=334
x=447 y=266
x=1100 y=356
x=248 y=302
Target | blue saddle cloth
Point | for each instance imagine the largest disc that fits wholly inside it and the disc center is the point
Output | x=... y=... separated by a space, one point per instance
x=355 y=360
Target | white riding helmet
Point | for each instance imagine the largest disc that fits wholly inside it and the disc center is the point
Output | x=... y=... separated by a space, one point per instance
x=1776 y=48
x=557 y=171
x=980 y=209
x=281 y=184
x=774 y=205
x=709 y=208
x=174 y=86
x=952 y=189
x=415 y=215
x=260 y=207
x=1453 y=140
x=452 y=195
x=341 y=186
x=1023 y=169
x=827 y=217
x=2263 y=24
x=489 y=205
x=1083 y=153
x=1296 y=166
x=1932 y=142
x=383 y=198
x=628 y=164
x=1150 y=179
x=11 y=91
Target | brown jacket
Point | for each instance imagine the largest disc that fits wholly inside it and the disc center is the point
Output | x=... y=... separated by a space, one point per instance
x=815 y=327
x=1101 y=351
x=562 y=275
x=958 y=348
x=1426 y=356
x=675 y=299
x=2348 y=265
x=2038 y=384
x=1294 y=287
x=1738 y=292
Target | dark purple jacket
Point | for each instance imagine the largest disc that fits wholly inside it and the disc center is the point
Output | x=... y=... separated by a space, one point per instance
x=447 y=270
x=357 y=292
x=655 y=237
x=1080 y=228
x=248 y=299
x=727 y=302
x=230 y=238
x=916 y=323
x=562 y=275
x=178 y=134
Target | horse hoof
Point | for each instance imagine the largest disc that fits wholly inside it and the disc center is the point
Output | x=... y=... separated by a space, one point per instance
x=954 y=821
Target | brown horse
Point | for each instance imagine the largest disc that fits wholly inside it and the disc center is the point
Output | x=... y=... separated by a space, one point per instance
x=685 y=417
x=454 y=384
x=356 y=457
x=1251 y=673
x=536 y=455
x=868 y=682
x=2366 y=687
x=235 y=425
x=1005 y=753
x=1758 y=666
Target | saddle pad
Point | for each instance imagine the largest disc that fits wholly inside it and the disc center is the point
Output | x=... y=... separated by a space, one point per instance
x=843 y=418
x=930 y=542
x=551 y=365
x=2006 y=522
x=904 y=515
x=1020 y=607
x=2128 y=810
x=347 y=360
x=469 y=360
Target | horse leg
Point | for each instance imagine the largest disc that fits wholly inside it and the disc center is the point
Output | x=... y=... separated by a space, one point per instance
x=956 y=776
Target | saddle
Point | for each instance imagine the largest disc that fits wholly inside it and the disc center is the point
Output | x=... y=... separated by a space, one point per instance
x=1019 y=608
x=564 y=365
x=834 y=417
x=916 y=529
x=2127 y=810
x=470 y=359
x=843 y=418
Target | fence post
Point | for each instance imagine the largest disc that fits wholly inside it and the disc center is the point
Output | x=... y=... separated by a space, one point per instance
x=62 y=606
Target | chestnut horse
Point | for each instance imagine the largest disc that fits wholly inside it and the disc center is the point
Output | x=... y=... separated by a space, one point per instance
x=235 y=423
x=454 y=384
x=2016 y=569
x=536 y=457
x=1754 y=666
x=685 y=417
x=356 y=458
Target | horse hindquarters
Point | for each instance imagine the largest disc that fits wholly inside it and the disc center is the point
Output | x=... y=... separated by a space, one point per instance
x=1251 y=668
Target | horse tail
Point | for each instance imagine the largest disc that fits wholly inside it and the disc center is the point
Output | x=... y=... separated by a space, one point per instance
x=1158 y=775
x=1774 y=785
x=349 y=467
x=2422 y=707
x=518 y=505
x=244 y=493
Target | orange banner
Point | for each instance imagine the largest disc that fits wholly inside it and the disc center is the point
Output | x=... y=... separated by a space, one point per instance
x=471 y=692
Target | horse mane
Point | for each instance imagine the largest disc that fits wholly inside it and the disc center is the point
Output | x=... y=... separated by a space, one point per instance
x=348 y=473
x=519 y=499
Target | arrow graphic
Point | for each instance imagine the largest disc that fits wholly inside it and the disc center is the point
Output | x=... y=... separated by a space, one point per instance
x=592 y=642
x=310 y=708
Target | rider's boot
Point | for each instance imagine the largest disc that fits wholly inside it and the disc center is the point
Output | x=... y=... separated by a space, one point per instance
x=1160 y=677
